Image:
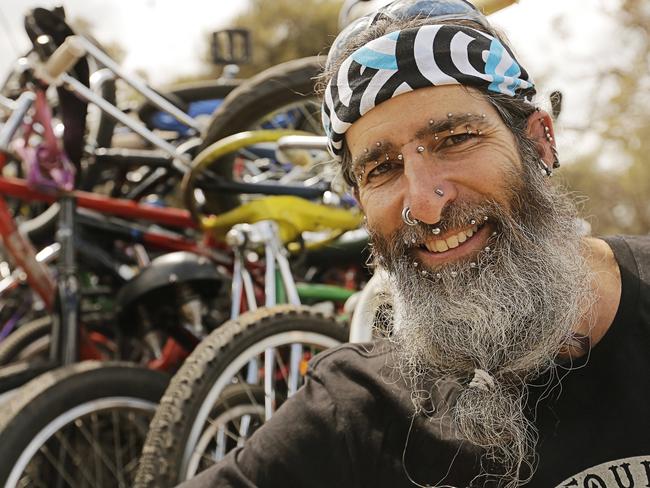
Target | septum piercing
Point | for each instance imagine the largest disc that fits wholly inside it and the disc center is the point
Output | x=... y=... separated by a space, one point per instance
x=406 y=217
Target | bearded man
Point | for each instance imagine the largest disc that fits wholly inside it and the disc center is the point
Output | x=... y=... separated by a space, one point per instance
x=518 y=351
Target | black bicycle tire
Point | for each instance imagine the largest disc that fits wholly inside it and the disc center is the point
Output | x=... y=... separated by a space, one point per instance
x=22 y=337
x=254 y=98
x=190 y=92
x=50 y=395
x=169 y=430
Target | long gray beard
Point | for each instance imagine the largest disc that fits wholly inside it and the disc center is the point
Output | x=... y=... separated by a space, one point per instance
x=510 y=315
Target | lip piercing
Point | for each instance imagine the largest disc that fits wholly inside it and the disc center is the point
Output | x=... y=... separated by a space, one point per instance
x=400 y=157
x=472 y=264
x=449 y=115
x=472 y=222
x=439 y=192
x=435 y=231
x=406 y=217
x=420 y=149
x=485 y=218
x=454 y=274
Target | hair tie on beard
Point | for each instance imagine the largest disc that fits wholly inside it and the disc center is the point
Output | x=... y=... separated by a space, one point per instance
x=482 y=380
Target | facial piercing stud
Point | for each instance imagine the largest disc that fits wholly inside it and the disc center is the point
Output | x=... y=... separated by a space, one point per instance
x=420 y=149
x=487 y=249
x=378 y=144
x=454 y=274
x=450 y=115
x=483 y=116
x=435 y=231
x=439 y=192
x=472 y=264
x=438 y=275
x=424 y=273
x=406 y=217
x=415 y=264
x=485 y=218
x=365 y=150
x=431 y=122
x=494 y=233
x=413 y=241
x=451 y=131
x=472 y=222
x=400 y=157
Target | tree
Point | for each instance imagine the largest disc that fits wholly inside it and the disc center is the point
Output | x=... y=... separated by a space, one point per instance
x=282 y=30
x=615 y=174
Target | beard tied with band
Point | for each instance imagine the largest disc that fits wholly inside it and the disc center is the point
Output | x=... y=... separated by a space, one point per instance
x=511 y=315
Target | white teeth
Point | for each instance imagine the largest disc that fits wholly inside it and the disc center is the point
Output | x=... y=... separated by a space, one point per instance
x=442 y=245
x=452 y=242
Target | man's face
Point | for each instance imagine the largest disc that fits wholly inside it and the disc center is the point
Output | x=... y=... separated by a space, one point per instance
x=502 y=284
x=469 y=155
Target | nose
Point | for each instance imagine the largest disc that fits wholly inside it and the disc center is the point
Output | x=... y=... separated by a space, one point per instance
x=429 y=190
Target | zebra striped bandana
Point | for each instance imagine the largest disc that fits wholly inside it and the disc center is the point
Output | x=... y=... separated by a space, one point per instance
x=406 y=60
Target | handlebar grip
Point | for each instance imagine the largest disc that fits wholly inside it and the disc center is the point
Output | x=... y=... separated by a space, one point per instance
x=64 y=58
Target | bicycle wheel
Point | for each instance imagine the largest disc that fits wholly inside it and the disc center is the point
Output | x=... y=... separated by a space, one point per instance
x=281 y=97
x=182 y=438
x=29 y=341
x=81 y=425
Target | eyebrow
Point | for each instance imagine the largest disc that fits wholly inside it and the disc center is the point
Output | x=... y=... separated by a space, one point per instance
x=448 y=123
x=432 y=127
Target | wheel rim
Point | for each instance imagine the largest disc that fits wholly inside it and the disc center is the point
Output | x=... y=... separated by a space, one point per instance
x=84 y=426
x=235 y=424
x=311 y=341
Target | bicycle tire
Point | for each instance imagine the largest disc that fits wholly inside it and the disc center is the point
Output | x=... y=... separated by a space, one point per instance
x=195 y=389
x=188 y=93
x=253 y=100
x=14 y=346
x=48 y=413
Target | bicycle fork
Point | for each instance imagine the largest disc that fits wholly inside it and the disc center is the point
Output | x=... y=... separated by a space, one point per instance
x=249 y=237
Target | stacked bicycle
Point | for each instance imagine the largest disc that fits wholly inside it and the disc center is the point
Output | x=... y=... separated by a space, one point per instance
x=127 y=297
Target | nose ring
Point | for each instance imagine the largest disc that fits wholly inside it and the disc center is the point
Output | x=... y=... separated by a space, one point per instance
x=406 y=217
x=439 y=192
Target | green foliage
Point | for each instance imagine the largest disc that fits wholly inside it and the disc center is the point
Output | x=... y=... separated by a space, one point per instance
x=615 y=175
x=288 y=29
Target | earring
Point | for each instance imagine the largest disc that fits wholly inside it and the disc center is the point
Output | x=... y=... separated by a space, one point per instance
x=545 y=168
x=406 y=217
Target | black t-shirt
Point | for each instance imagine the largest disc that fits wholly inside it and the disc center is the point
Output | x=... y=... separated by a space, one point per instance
x=352 y=424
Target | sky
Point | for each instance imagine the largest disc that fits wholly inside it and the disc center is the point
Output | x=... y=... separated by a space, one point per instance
x=561 y=43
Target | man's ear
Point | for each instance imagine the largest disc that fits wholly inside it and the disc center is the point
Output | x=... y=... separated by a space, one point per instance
x=540 y=129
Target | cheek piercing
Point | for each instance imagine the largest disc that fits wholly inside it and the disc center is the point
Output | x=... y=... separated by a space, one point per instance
x=406 y=217
x=439 y=192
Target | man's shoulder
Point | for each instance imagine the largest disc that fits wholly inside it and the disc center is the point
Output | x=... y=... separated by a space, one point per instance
x=632 y=252
x=364 y=355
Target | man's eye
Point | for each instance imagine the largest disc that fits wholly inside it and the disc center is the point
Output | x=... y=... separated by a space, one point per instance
x=457 y=139
x=382 y=169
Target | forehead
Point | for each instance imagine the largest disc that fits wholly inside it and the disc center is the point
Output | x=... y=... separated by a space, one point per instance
x=398 y=119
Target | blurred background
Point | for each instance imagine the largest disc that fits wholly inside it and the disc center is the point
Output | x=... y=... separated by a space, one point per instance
x=595 y=52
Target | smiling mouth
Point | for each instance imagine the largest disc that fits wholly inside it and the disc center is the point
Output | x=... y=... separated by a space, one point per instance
x=439 y=245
